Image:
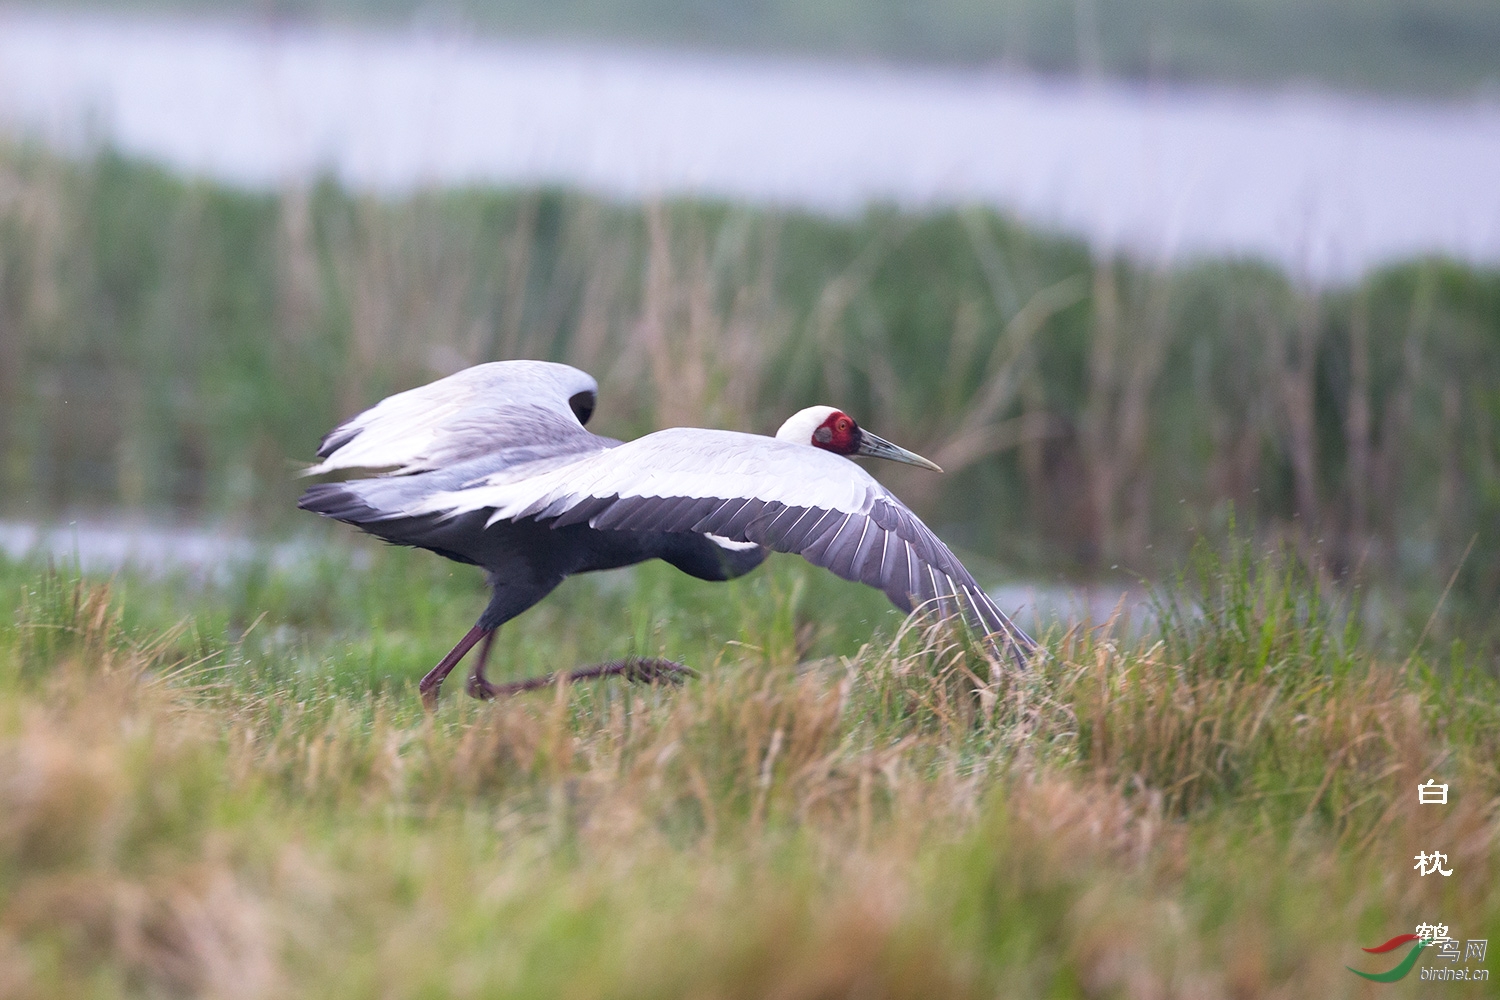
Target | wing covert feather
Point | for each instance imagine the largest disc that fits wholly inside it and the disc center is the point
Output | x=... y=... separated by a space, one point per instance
x=519 y=407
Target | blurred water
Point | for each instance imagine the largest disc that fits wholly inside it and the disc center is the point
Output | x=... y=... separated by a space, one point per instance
x=214 y=555
x=1326 y=186
x=104 y=546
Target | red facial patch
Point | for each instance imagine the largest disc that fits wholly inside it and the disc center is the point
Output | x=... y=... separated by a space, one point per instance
x=838 y=434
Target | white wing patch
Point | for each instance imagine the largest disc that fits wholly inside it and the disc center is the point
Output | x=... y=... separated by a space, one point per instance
x=731 y=544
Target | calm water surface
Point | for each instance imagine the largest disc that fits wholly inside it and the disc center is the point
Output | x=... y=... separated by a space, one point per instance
x=1326 y=186
x=104 y=546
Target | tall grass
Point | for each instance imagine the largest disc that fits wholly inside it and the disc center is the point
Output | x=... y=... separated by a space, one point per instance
x=171 y=345
x=196 y=809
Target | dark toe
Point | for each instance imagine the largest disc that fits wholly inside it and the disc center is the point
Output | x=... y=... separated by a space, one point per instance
x=654 y=671
x=482 y=690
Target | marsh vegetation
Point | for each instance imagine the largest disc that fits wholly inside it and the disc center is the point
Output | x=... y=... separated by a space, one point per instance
x=236 y=793
x=175 y=347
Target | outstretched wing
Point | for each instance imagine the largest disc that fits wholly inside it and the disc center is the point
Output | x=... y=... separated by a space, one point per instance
x=530 y=409
x=753 y=490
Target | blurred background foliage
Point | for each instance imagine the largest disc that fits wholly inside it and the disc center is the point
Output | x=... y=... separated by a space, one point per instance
x=173 y=348
x=1433 y=46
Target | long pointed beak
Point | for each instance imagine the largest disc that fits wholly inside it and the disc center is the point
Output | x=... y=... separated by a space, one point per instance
x=878 y=447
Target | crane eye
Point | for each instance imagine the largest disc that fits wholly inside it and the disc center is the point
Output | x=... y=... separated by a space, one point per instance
x=844 y=424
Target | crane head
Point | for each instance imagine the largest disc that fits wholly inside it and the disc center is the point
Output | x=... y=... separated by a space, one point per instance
x=834 y=430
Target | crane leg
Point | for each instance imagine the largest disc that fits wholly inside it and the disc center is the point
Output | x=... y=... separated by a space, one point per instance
x=510 y=598
x=640 y=670
x=477 y=684
x=430 y=684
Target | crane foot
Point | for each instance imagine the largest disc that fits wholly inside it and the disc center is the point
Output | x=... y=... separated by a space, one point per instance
x=637 y=670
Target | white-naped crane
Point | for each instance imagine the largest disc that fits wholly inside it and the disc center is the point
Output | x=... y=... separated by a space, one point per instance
x=492 y=466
